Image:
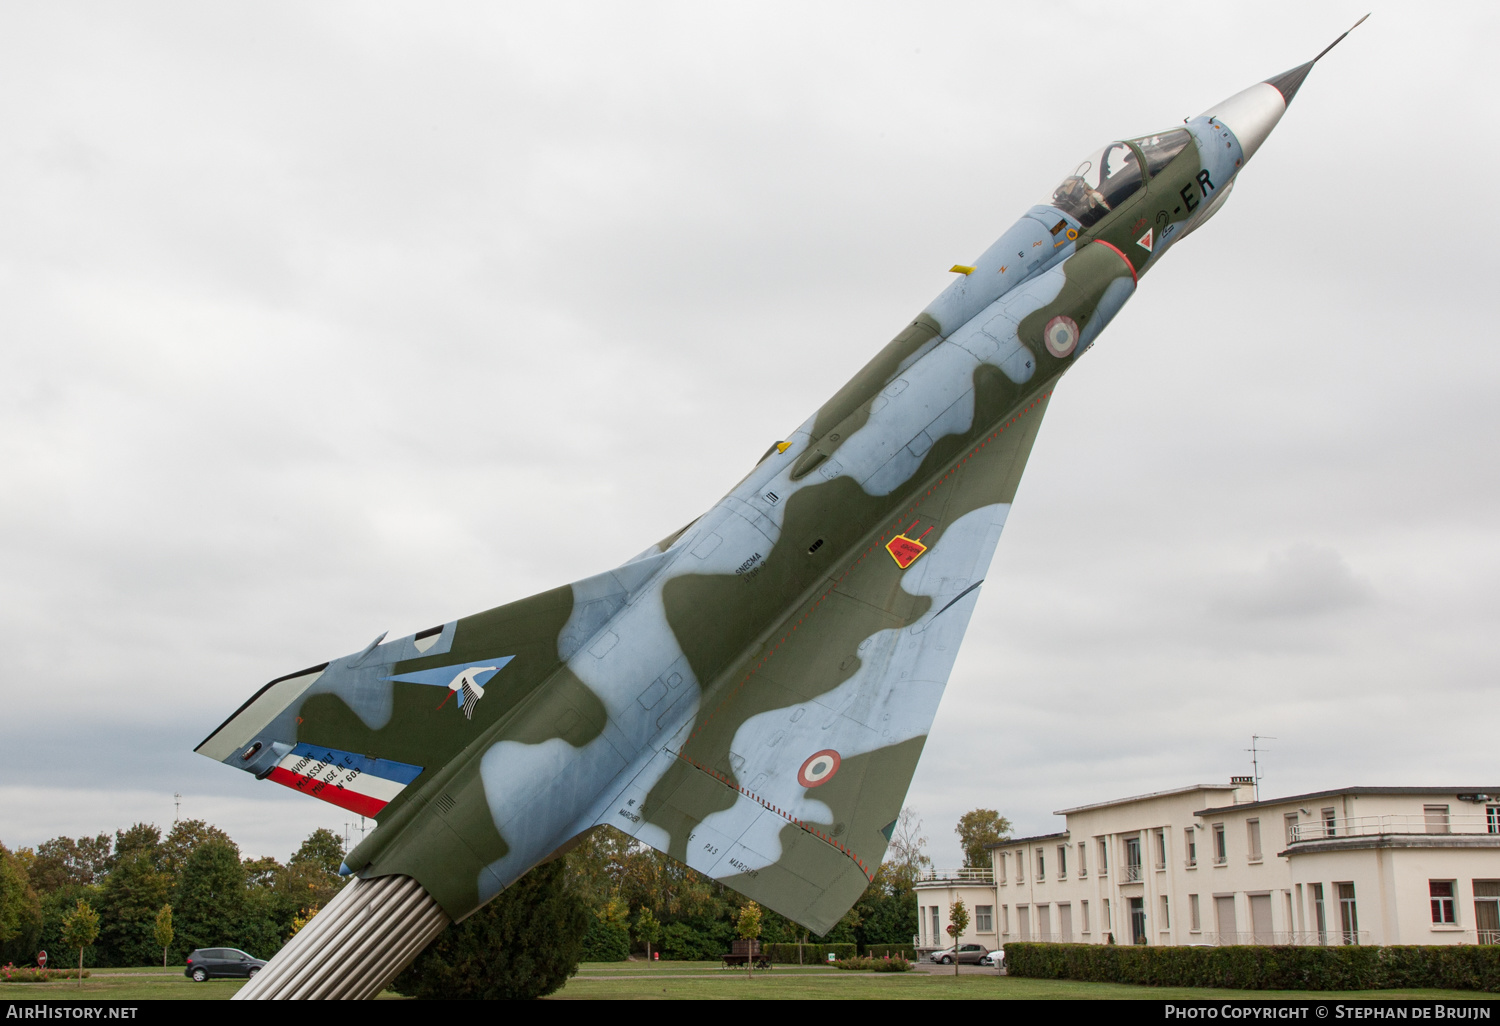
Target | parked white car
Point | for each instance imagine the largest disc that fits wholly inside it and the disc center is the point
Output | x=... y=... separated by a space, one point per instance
x=995 y=958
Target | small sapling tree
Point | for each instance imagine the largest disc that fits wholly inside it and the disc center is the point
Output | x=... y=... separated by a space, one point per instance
x=747 y=926
x=647 y=929
x=163 y=932
x=958 y=922
x=80 y=928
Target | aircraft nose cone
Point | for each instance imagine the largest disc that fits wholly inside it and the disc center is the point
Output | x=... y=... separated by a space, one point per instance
x=1252 y=113
x=1288 y=82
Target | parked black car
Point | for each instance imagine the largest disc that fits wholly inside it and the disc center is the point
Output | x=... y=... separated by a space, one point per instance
x=206 y=962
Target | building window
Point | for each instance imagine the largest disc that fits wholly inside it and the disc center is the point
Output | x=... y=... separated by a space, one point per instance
x=1062 y=861
x=1044 y=923
x=1348 y=914
x=1320 y=914
x=1225 y=920
x=1103 y=856
x=1492 y=818
x=1005 y=920
x=1108 y=918
x=1487 y=911
x=1000 y=865
x=1138 y=920
x=1083 y=858
x=1221 y=846
x=1021 y=866
x=1330 y=822
x=1023 y=916
x=1083 y=912
x=1190 y=845
x=1437 y=818
x=1195 y=915
x=1132 y=859
x=984 y=918
x=1289 y=826
x=1166 y=916
x=1161 y=849
x=936 y=934
x=1441 y=894
x=1252 y=836
x=1041 y=864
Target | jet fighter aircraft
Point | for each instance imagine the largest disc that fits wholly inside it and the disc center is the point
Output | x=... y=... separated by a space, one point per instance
x=749 y=695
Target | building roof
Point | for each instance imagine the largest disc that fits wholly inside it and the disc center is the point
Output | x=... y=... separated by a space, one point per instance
x=1144 y=797
x=1027 y=840
x=1492 y=792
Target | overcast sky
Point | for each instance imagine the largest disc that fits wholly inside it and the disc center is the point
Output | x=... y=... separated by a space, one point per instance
x=321 y=320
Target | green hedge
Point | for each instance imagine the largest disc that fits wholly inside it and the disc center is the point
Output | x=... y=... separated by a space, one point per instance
x=1256 y=967
x=812 y=954
x=892 y=950
x=866 y=964
x=605 y=942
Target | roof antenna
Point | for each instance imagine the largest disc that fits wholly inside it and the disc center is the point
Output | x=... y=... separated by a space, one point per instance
x=1256 y=738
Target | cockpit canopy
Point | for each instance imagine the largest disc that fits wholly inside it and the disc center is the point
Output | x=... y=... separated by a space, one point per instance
x=1110 y=176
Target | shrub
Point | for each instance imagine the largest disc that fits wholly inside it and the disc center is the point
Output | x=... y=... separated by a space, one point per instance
x=700 y=942
x=786 y=954
x=524 y=944
x=31 y=974
x=883 y=964
x=605 y=942
x=1258 y=967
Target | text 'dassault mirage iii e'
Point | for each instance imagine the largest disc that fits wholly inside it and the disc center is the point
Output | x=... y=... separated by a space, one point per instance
x=751 y=694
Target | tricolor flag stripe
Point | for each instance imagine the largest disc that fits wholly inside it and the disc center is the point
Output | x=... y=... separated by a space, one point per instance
x=351 y=781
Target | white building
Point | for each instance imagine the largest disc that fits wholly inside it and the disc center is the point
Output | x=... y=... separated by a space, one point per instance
x=1209 y=865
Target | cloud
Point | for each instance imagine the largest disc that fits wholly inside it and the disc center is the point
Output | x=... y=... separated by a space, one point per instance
x=1302 y=581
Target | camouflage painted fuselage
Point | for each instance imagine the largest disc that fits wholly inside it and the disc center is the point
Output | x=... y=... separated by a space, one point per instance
x=750 y=695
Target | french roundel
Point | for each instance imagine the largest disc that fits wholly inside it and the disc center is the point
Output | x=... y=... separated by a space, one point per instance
x=1061 y=335
x=819 y=768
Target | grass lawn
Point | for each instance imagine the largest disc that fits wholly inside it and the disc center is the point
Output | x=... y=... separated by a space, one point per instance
x=139 y=983
x=706 y=981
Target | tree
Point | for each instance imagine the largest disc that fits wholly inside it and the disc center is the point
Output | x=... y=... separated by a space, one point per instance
x=262 y=872
x=129 y=899
x=905 y=854
x=747 y=927
x=80 y=927
x=63 y=861
x=186 y=837
x=887 y=912
x=647 y=929
x=56 y=907
x=302 y=918
x=958 y=922
x=976 y=830
x=20 y=908
x=312 y=876
x=323 y=849
x=162 y=933
x=524 y=944
x=210 y=896
x=140 y=839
